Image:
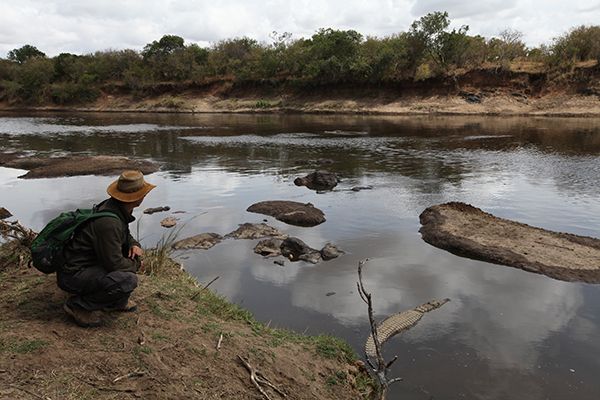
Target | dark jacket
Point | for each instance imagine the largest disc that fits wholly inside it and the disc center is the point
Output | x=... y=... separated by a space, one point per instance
x=103 y=241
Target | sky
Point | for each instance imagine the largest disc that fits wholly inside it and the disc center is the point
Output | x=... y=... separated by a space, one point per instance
x=85 y=26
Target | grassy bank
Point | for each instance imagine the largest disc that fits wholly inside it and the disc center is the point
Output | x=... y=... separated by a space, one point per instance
x=167 y=349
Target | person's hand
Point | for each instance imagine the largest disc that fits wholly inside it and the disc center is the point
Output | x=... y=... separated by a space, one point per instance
x=135 y=251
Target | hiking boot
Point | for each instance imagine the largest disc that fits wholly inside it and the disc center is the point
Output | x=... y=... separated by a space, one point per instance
x=130 y=306
x=83 y=317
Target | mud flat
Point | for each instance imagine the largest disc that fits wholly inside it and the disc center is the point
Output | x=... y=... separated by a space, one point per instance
x=52 y=167
x=470 y=232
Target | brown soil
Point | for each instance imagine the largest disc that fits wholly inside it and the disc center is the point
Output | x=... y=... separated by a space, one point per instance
x=468 y=231
x=169 y=345
x=52 y=167
x=290 y=212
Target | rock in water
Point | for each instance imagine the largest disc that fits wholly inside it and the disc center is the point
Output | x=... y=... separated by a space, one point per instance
x=290 y=212
x=318 y=180
x=470 y=232
x=4 y=213
x=256 y=231
x=269 y=247
x=359 y=188
x=330 y=251
x=156 y=209
x=201 y=241
x=78 y=165
x=168 y=222
x=295 y=249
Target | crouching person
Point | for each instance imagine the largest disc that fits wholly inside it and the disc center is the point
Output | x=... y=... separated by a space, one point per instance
x=102 y=259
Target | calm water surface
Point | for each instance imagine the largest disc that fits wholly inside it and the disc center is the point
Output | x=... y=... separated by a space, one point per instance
x=506 y=334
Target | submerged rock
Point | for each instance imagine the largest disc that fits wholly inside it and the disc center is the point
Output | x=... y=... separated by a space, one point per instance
x=290 y=212
x=359 y=188
x=330 y=251
x=318 y=180
x=52 y=167
x=255 y=231
x=295 y=249
x=4 y=213
x=269 y=247
x=168 y=222
x=201 y=241
x=153 y=210
x=470 y=232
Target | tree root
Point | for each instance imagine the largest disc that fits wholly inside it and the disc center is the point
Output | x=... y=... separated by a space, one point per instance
x=259 y=379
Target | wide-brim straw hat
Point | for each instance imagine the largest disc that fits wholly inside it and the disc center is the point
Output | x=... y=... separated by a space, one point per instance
x=130 y=187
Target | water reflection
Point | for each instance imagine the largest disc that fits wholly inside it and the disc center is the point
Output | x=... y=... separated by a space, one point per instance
x=506 y=334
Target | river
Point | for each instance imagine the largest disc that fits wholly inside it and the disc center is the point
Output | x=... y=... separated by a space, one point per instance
x=505 y=334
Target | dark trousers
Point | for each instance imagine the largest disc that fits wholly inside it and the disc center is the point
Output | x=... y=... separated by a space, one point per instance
x=95 y=288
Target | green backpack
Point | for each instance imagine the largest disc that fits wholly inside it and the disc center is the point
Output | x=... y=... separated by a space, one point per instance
x=47 y=248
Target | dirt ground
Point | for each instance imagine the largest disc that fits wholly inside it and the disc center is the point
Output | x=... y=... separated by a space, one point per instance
x=551 y=105
x=468 y=231
x=165 y=350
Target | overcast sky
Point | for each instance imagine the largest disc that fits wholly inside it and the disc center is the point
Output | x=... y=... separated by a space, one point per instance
x=84 y=26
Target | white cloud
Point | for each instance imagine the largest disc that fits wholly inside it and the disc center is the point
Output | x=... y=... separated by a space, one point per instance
x=56 y=26
x=462 y=8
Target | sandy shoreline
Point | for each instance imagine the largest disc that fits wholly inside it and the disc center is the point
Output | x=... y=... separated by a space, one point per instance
x=498 y=105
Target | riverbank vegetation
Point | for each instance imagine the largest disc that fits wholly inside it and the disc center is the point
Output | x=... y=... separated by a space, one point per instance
x=429 y=51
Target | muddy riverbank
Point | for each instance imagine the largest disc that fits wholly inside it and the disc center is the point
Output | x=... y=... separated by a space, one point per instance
x=183 y=342
x=551 y=105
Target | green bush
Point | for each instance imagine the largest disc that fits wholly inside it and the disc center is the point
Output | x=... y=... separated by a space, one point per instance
x=9 y=91
x=579 y=44
x=70 y=93
x=34 y=77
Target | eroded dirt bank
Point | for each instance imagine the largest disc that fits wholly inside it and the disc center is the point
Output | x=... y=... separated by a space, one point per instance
x=477 y=92
x=166 y=350
x=468 y=231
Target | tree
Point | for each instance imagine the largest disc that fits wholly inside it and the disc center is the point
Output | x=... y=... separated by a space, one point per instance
x=199 y=54
x=443 y=47
x=507 y=46
x=580 y=44
x=236 y=56
x=334 y=56
x=65 y=66
x=25 y=53
x=387 y=58
x=163 y=47
x=34 y=77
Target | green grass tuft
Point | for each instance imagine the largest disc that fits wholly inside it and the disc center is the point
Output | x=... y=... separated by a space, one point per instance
x=17 y=346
